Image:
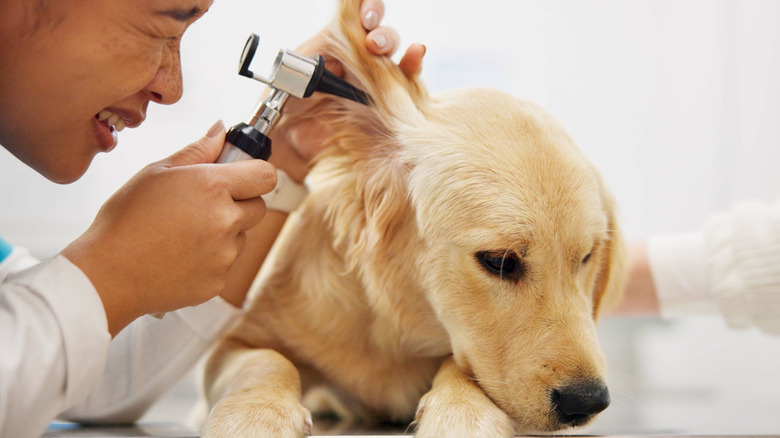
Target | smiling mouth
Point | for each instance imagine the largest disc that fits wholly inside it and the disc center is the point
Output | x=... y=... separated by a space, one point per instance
x=110 y=120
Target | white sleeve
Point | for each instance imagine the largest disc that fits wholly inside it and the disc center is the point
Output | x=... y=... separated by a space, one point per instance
x=678 y=264
x=17 y=259
x=54 y=341
x=743 y=246
x=149 y=357
x=731 y=267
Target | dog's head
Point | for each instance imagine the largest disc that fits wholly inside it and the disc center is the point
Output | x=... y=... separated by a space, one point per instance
x=517 y=245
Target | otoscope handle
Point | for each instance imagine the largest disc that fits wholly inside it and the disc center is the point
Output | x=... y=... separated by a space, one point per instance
x=245 y=142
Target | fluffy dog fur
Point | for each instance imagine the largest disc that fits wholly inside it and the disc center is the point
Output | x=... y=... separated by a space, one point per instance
x=450 y=261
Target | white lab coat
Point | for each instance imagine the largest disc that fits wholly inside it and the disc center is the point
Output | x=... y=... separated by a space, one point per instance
x=732 y=266
x=56 y=353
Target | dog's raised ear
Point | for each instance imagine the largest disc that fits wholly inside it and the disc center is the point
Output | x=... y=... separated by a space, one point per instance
x=393 y=95
x=614 y=266
x=363 y=153
x=379 y=76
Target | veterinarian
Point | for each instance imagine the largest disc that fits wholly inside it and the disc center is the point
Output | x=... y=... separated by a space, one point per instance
x=72 y=75
x=731 y=267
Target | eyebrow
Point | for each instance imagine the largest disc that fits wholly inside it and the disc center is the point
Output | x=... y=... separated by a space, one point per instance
x=183 y=15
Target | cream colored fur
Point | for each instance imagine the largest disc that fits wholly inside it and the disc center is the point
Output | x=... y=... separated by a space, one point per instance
x=374 y=304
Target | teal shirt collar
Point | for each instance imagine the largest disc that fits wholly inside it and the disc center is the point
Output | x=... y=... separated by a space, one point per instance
x=5 y=249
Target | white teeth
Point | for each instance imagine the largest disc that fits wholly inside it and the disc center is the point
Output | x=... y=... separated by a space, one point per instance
x=111 y=120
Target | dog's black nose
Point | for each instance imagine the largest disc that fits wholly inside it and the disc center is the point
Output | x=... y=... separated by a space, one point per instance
x=578 y=402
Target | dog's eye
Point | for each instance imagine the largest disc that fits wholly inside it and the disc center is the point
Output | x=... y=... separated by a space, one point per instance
x=503 y=264
x=586 y=258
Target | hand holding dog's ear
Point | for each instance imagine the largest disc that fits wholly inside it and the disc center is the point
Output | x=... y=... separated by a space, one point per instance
x=300 y=139
x=382 y=40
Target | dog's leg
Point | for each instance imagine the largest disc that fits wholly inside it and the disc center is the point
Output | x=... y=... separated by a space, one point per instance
x=456 y=407
x=253 y=393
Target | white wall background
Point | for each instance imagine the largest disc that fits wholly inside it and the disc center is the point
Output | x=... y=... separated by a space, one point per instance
x=676 y=101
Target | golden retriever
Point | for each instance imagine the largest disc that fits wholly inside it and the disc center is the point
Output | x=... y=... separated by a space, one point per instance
x=449 y=263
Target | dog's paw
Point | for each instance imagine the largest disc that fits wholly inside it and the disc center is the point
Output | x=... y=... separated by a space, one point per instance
x=234 y=417
x=452 y=417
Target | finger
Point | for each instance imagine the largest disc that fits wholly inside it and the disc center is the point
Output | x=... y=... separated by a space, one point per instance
x=371 y=13
x=205 y=150
x=411 y=62
x=382 y=41
x=308 y=138
x=252 y=212
x=335 y=67
x=247 y=179
x=240 y=243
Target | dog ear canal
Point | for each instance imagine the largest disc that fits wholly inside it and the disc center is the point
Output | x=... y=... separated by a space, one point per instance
x=505 y=265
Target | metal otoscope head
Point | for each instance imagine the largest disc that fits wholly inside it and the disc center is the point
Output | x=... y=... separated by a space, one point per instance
x=292 y=75
x=299 y=75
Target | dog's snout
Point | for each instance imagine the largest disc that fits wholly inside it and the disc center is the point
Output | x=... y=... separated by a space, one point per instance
x=577 y=403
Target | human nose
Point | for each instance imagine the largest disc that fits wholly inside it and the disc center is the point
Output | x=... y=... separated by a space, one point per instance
x=166 y=85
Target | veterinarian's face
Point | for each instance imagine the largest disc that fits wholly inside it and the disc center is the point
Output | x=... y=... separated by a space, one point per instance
x=514 y=257
x=66 y=65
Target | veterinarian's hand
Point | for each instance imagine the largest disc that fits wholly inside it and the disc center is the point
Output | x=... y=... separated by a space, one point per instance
x=168 y=237
x=382 y=40
x=296 y=145
x=640 y=296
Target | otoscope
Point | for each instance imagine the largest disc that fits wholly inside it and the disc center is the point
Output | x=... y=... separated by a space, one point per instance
x=292 y=74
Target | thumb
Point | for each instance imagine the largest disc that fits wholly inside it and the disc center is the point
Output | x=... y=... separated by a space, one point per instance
x=205 y=150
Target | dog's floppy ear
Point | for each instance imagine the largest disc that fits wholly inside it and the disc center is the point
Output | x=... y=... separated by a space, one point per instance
x=614 y=267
